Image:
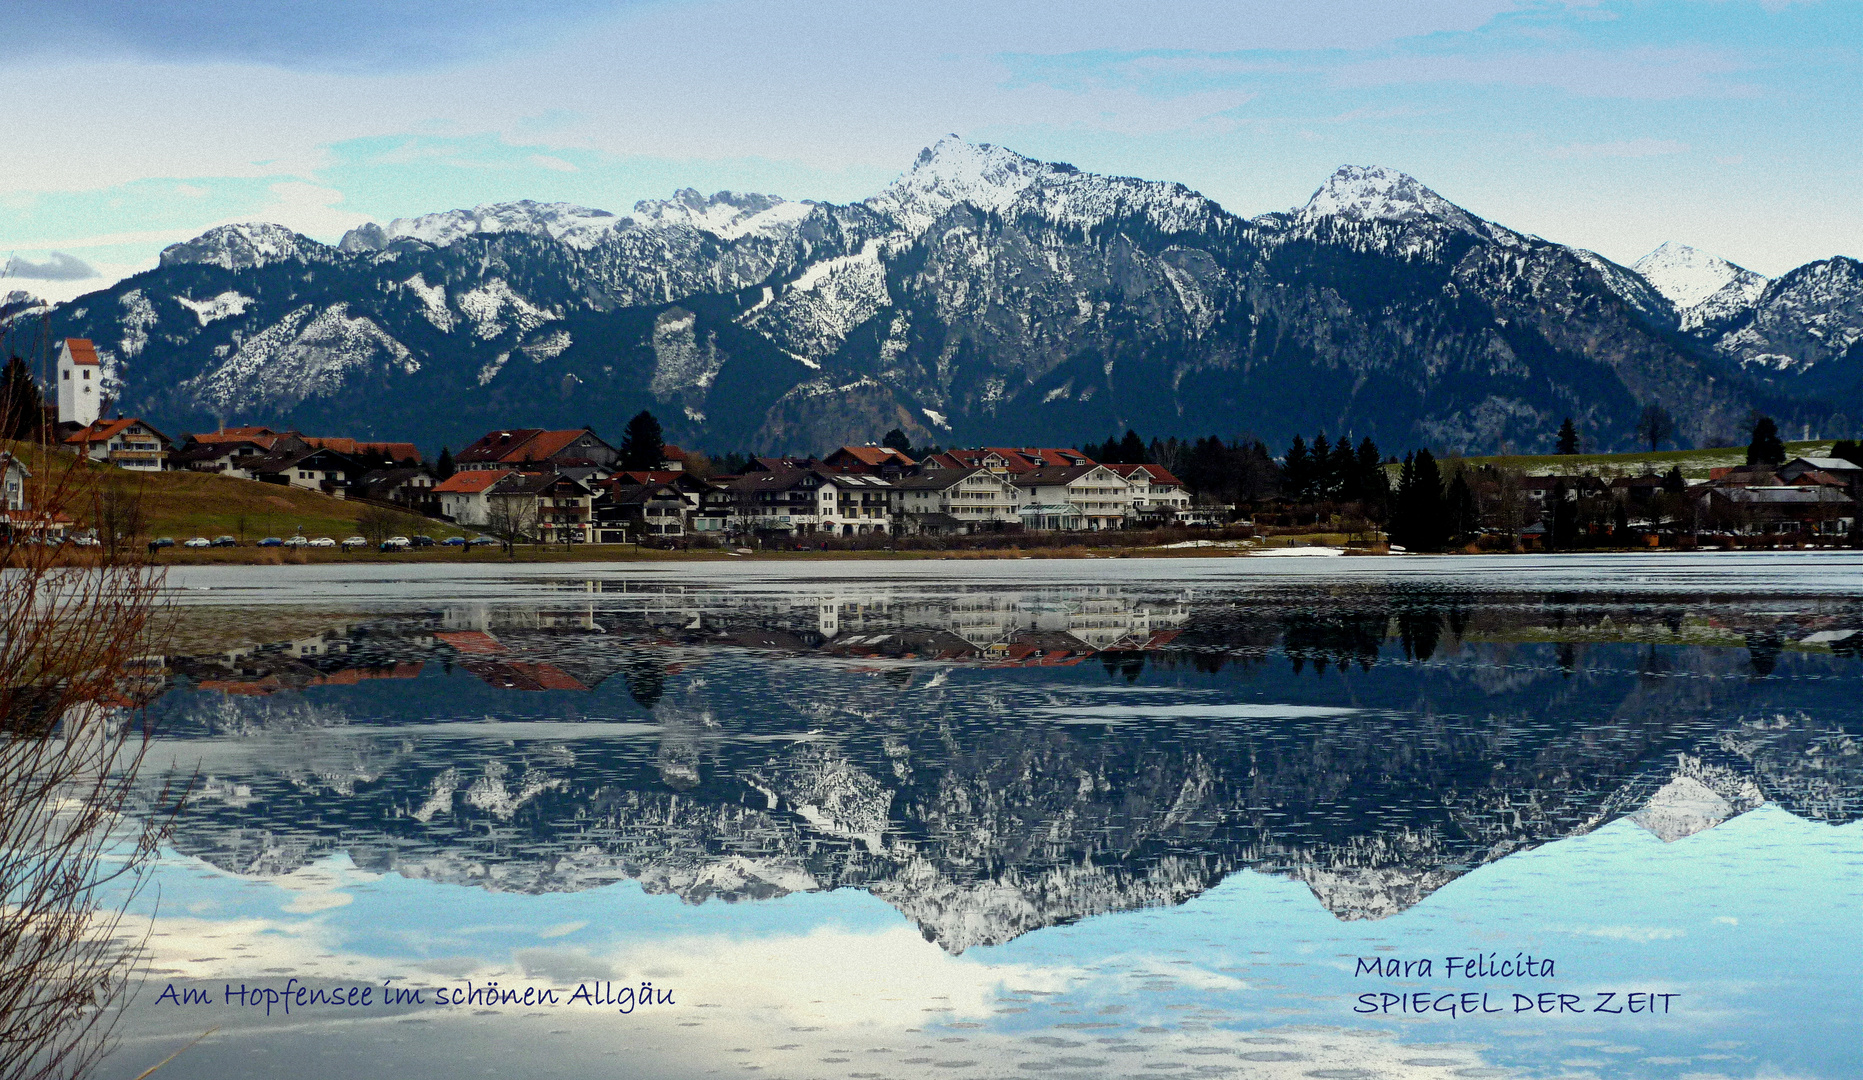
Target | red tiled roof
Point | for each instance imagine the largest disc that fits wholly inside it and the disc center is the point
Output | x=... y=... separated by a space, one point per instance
x=82 y=351
x=873 y=455
x=1159 y=474
x=105 y=430
x=396 y=451
x=471 y=641
x=470 y=482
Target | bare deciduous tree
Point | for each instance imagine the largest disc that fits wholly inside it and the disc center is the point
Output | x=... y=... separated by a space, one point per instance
x=72 y=738
x=512 y=519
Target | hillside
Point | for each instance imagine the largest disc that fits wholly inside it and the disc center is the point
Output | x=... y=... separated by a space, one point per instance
x=1695 y=464
x=982 y=297
x=185 y=504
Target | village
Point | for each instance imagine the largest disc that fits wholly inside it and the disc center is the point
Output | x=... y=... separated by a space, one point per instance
x=572 y=487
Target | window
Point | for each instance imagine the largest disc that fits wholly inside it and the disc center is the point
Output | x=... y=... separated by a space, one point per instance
x=87 y=376
x=67 y=376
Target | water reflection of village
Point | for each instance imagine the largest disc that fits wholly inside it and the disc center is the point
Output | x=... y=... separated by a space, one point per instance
x=580 y=645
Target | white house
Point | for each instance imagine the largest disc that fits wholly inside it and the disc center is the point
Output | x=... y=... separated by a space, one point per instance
x=1155 y=493
x=462 y=495
x=1097 y=497
x=80 y=383
x=956 y=500
x=13 y=477
x=127 y=444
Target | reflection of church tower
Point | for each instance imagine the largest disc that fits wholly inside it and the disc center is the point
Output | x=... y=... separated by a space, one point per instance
x=80 y=383
x=646 y=680
x=828 y=617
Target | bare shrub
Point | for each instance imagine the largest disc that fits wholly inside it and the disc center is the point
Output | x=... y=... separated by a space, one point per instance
x=72 y=738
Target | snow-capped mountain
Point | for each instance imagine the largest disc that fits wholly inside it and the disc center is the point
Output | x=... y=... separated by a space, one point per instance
x=982 y=296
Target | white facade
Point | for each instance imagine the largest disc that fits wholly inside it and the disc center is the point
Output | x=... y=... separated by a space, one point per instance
x=1102 y=496
x=13 y=477
x=80 y=383
x=975 y=499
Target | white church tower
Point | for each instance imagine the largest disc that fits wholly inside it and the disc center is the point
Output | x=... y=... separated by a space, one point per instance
x=80 y=383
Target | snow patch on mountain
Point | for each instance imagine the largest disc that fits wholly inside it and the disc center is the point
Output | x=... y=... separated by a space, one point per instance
x=433 y=302
x=490 y=369
x=681 y=361
x=1632 y=288
x=491 y=304
x=548 y=347
x=728 y=215
x=226 y=305
x=817 y=311
x=244 y=247
x=137 y=319
x=579 y=227
x=307 y=354
x=1809 y=315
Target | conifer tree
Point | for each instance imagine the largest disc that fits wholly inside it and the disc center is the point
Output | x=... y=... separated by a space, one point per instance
x=1568 y=437
x=1297 y=472
x=444 y=468
x=1132 y=449
x=22 y=410
x=642 y=444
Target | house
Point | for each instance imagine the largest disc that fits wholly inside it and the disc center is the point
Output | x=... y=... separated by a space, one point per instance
x=673 y=458
x=80 y=383
x=1836 y=471
x=876 y=460
x=313 y=470
x=535 y=448
x=462 y=496
x=1538 y=491
x=127 y=444
x=216 y=456
x=13 y=477
x=1807 y=512
x=799 y=500
x=655 y=509
x=1158 y=498
x=954 y=501
x=548 y=507
x=1073 y=497
x=409 y=487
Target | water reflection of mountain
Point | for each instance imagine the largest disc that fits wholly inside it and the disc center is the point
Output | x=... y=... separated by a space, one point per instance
x=930 y=750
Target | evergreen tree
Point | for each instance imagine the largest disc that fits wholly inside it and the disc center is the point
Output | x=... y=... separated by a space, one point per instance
x=1848 y=450
x=1341 y=471
x=444 y=468
x=1620 y=524
x=1372 y=482
x=1564 y=525
x=1430 y=517
x=1674 y=482
x=1464 y=513
x=642 y=444
x=22 y=410
x=1297 y=472
x=1132 y=449
x=1568 y=437
x=1766 y=448
x=1320 y=457
x=897 y=439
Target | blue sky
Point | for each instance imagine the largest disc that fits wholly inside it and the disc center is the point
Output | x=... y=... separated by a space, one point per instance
x=1732 y=125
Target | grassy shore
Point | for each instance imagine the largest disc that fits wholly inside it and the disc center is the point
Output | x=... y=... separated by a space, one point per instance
x=1695 y=464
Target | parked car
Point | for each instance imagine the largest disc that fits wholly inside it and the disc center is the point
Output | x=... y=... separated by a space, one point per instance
x=197 y=542
x=485 y=540
x=396 y=543
x=87 y=541
x=323 y=542
x=355 y=542
x=423 y=541
x=295 y=541
x=271 y=541
x=225 y=541
x=162 y=542
x=455 y=541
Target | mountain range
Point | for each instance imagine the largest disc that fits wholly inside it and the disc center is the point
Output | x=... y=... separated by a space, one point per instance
x=982 y=297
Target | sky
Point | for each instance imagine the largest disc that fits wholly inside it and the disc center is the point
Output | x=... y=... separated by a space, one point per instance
x=1731 y=125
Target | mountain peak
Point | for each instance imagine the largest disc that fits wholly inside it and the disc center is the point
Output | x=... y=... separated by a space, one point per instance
x=576 y=225
x=1687 y=276
x=952 y=171
x=1375 y=193
x=726 y=214
x=244 y=246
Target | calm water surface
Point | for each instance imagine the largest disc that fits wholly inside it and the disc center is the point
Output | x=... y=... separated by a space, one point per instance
x=1102 y=818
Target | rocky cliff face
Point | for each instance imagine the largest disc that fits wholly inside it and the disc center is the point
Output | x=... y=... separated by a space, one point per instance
x=982 y=296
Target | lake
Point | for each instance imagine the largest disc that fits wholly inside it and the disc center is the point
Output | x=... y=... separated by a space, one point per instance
x=1253 y=817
